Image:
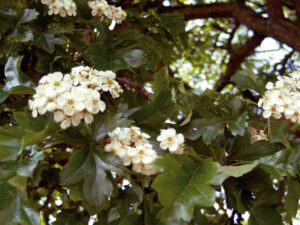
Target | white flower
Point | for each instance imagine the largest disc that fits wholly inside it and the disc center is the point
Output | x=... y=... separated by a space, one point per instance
x=132 y=146
x=62 y=7
x=101 y=7
x=146 y=169
x=167 y=139
x=282 y=98
x=71 y=97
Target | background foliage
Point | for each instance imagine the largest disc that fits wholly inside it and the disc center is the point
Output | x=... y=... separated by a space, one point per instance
x=60 y=177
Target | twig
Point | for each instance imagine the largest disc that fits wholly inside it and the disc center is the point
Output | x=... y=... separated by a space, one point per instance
x=140 y=88
x=30 y=65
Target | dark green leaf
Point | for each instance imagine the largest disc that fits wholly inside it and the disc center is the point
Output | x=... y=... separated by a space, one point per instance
x=157 y=111
x=161 y=80
x=26 y=120
x=107 y=122
x=71 y=216
x=292 y=198
x=10 y=142
x=184 y=185
x=3 y=95
x=246 y=79
x=28 y=15
x=14 y=210
x=14 y=76
x=280 y=131
x=173 y=22
x=243 y=149
x=96 y=187
x=27 y=167
x=74 y=171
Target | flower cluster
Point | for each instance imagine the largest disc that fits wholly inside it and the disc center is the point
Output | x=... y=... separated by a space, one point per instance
x=101 y=7
x=169 y=139
x=132 y=146
x=282 y=98
x=75 y=96
x=61 y=7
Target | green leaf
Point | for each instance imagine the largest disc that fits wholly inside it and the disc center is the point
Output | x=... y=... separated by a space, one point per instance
x=184 y=185
x=19 y=182
x=96 y=187
x=161 y=80
x=106 y=59
x=157 y=111
x=14 y=76
x=173 y=22
x=10 y=142
x=3 y=95
x=107 y=122
x=244 y=150
x=207 y=128
x=292 y=198
x=22 y=33
x=246 y=79
x=28 y=15
x=280 y=131
x=238 y=171
x=21 y=90
x=14 y=210
x=47 y=41
x=26 y=120
x=87 y=167
x=27 y=168
x=264 y=216
x=237 y=126
x=71 y=216
x=32 y=138
x=75 y=169
x=8 y=170
x=134 y=57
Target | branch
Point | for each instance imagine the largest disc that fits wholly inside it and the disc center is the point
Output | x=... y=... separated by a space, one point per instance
x=228 y=45
x=237 y=58
x=140 y=88
x=282 y=30
x=284 y=62
x=30 y=65
x=275 y=9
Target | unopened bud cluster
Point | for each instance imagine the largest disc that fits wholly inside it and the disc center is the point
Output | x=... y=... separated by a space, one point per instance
x=133 y=147
x=75 y=96
x=282 y=98
x=256 y=136
x=102 y=8
x=61 y=7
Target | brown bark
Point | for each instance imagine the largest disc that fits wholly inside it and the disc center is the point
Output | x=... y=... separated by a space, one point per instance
x=282 y=30
x=237 y=58
x=140 y=88
x=274 y=9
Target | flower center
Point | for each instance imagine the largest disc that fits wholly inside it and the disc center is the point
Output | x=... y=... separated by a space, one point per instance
x=141 y=152
x=70 y=101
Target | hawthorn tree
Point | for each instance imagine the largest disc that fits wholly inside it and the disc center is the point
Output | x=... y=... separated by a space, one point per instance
x=100 y=124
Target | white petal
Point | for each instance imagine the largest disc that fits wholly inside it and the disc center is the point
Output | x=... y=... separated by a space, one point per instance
x=59 y=116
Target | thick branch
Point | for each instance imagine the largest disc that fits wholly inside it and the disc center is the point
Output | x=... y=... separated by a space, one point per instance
x=136 y=86
x=237 y=58
x=274 y=9
x=283 y=30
